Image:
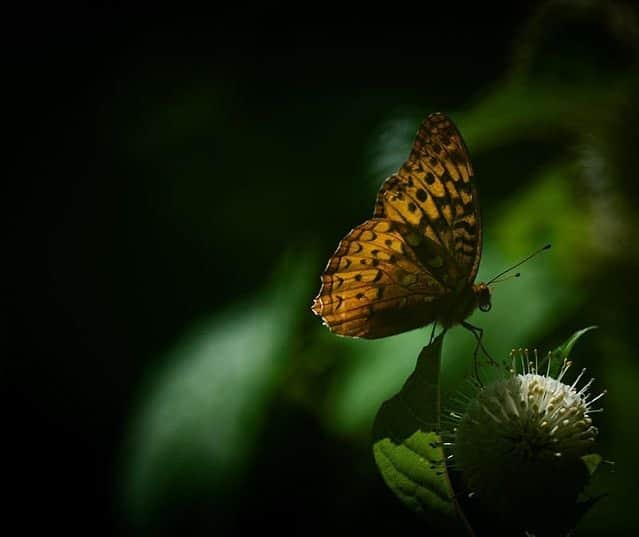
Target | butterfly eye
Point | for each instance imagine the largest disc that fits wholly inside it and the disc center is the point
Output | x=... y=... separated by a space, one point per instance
x=486 y=306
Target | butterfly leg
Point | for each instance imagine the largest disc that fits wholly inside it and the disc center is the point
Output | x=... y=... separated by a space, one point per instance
x=476 y=365
x=479 y=334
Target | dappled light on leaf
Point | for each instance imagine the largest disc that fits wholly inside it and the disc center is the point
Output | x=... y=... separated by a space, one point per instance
x=201 y=414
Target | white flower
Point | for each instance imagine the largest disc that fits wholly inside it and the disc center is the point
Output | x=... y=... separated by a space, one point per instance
x=521 y=438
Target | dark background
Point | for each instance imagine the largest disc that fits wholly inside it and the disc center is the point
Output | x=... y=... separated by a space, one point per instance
x=177 y=181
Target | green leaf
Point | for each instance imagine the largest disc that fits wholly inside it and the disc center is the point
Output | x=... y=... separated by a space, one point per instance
x=592 y=462
x=408 y=449
x=562 y=352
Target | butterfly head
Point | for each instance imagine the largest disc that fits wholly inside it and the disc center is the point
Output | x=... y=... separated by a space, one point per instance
x=482 y=293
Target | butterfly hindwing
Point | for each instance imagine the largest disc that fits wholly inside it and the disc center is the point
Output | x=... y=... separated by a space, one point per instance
x=375 y=285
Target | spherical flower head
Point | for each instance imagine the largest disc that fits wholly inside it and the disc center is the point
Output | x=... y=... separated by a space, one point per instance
x=521 y=439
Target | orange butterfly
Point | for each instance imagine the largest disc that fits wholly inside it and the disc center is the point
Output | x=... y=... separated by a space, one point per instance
x=416 y=260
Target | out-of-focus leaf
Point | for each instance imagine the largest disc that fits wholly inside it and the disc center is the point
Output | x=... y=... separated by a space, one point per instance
x=376 y=371
x=408 y=449
x=198 y=420
x=548 y=212
x=499 y=118
x=619 y=439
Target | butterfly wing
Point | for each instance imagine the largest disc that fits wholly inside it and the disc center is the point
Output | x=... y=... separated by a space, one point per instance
x=374 y=285
x=433 y=193
x=402 y=269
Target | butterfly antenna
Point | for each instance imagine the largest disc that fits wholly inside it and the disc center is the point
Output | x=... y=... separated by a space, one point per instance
x=506 y=278
x=546 y=247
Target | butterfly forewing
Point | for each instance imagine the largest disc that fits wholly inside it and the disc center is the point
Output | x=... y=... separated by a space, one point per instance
x=433 y=192
x=401 y=269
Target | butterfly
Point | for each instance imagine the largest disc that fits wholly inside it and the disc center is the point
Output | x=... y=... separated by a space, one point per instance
x=415 y=261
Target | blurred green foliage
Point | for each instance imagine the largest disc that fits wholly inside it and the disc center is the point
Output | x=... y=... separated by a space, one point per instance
x=204 y=408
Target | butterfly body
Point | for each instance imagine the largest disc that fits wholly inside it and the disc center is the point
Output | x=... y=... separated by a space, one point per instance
x=462 y=305
x=416 y=260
